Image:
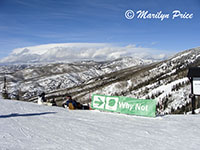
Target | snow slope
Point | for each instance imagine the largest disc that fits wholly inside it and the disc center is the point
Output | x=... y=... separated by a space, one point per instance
x=30 y=126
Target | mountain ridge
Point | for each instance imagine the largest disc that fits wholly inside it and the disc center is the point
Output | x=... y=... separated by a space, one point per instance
x=73 y=52
x=164 y=81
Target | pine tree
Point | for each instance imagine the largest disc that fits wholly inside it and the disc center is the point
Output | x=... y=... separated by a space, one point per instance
x=4 y=90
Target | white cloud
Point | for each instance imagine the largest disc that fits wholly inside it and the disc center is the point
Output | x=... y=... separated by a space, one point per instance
x=70 y=52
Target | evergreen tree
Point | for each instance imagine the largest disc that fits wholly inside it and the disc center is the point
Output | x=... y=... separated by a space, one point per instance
x=4 y=90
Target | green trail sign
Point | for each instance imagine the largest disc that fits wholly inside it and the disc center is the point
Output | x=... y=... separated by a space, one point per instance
x=124 y=105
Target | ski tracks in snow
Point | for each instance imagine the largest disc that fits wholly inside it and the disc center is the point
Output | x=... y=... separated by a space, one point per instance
x=30 y=126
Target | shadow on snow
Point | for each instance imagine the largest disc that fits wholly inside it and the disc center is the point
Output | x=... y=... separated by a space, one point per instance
x=25 y=115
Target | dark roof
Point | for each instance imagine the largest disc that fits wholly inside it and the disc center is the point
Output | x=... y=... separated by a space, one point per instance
x=194 y=72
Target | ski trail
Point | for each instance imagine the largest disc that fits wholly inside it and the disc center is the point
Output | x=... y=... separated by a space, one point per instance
x=26 y=126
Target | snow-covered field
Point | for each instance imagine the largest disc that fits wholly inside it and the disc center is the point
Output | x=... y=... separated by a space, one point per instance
x=28 y=126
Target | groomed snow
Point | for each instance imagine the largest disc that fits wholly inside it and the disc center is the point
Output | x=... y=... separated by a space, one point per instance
x=28 y=126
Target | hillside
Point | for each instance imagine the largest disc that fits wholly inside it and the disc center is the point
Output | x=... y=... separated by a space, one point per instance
x=30 y=126
x=26 y=81
x=164 y=81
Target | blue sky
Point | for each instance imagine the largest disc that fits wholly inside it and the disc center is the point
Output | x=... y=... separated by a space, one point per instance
x=34 y=22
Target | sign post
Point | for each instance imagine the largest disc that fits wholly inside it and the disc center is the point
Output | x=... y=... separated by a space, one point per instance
x=194 y=77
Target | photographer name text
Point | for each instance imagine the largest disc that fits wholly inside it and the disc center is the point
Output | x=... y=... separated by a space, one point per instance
x=144 y=14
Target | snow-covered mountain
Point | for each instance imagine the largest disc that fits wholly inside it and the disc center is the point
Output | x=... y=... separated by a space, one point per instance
x=72 y=52
x=28 y=80
x=28 y=126
x=164 y=81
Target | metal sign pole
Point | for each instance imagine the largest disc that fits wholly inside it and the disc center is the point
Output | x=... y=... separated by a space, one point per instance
x=192 y=96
